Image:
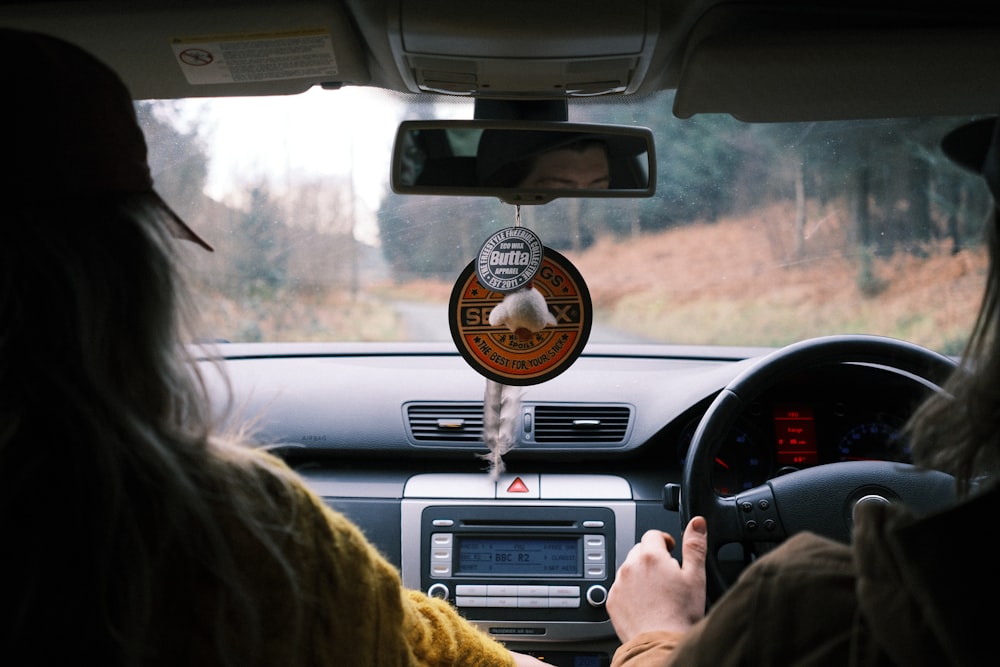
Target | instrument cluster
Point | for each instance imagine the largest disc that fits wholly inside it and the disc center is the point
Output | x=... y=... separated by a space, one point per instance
x=838 y=417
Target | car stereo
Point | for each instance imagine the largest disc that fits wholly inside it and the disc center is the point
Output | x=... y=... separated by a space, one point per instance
x=520 y=570
x=490 y=561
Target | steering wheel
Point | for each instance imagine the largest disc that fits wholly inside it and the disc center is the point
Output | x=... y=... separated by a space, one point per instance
x=820 y=499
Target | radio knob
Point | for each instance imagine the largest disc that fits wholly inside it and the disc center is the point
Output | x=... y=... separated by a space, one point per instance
x=438 y=591
x=597 y=595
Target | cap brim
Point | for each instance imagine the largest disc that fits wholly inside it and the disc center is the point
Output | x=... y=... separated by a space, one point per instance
x=968 y=144
x=179 y=228
x=976 y=146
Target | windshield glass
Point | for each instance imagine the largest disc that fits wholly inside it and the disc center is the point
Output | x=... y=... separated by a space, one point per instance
x=758 y=234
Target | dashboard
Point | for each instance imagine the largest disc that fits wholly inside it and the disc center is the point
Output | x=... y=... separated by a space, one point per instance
x=391 y=435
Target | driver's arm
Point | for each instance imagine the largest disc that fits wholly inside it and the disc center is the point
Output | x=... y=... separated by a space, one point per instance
x=653 y=591
x=799 y=598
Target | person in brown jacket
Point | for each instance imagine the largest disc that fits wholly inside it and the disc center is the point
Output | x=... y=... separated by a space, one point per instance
x=906 y=591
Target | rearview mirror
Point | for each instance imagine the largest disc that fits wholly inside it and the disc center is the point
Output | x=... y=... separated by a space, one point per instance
x=523 y=162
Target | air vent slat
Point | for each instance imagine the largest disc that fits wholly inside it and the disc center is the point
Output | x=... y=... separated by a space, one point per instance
x=581 y=423
x=554 y=424
x=446 y=422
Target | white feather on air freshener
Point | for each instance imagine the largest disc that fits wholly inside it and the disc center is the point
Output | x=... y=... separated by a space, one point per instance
x=525 y=313
x=501 y=409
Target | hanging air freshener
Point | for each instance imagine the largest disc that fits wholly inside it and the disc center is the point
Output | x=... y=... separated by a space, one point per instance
x=520 y=314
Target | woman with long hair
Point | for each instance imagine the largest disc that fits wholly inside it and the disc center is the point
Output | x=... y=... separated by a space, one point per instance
x=134 y=531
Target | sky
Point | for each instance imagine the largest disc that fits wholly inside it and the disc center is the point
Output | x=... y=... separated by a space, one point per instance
x=338 y=133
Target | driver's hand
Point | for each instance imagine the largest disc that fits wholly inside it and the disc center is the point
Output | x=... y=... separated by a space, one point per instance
x=653 y=591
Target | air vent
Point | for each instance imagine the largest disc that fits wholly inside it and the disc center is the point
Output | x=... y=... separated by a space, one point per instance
x=445 y=422
x=599 y=424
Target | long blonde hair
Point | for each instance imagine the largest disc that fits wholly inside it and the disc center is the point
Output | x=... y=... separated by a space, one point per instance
x=112 y=484
x=958 y=429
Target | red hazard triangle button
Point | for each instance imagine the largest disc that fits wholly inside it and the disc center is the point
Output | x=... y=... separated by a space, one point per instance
x=517 y=486
x=522 y=486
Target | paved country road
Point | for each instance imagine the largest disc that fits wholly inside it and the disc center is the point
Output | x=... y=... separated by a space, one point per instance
x=429 y=322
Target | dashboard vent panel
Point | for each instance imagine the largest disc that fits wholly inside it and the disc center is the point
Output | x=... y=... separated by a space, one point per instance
x=445 y=422
x=597 y=424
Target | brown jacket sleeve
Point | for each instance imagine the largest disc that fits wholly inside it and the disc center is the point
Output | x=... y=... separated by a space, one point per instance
x=798 y=600
x=650 y=649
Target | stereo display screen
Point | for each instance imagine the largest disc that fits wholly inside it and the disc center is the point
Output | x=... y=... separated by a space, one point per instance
x=519 y=556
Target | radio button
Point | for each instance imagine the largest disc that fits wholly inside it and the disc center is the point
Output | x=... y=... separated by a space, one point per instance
x=502 y=589
x=564 y=603
x=439 y=570
x=443 y=523
x=471 y=589
x=596 y=572
x=501 y=601
x=441 y=539
x=593 y=524
x=441 y=555
x=470 y=601
x=438 y=591
x=593 y=541
x=564 y=591
x=597 y=595
x=533 y=591
x=533 y=603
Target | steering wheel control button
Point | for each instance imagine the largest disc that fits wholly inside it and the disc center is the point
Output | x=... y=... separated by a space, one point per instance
x=498 y=353
x=509 y=259
x=758 y=514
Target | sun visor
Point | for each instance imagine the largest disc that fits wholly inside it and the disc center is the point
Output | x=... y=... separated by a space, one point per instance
x=789 y=65
x=560 y=48
x=232 y=49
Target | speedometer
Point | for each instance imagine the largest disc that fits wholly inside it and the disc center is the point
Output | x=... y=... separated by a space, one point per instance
x=740 y=463
x=875 y=440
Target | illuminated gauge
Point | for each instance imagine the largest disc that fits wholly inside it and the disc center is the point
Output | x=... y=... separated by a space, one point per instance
x=876 y=440
x=741 y=462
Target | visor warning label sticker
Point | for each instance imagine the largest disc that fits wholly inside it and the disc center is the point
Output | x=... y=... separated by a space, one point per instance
x=264 y=56
x=498 y=354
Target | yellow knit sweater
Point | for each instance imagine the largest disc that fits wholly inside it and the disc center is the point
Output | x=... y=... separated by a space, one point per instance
x=359 y=613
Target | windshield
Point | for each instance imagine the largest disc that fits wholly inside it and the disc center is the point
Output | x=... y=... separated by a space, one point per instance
x=758 y=234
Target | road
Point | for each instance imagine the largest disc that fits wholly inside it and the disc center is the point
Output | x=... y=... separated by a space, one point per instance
x=429 y=322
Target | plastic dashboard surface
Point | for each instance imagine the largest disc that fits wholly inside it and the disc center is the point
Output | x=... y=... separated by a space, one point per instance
x=350 y=399
x=341 y=414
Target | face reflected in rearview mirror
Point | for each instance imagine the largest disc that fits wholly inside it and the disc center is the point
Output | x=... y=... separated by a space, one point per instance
x=523 y=162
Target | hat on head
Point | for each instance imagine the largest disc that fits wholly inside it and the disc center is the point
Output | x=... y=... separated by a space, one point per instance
x=71 y=126
x=976 y=147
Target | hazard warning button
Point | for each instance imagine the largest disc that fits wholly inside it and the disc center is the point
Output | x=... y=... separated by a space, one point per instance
x=517 y=486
